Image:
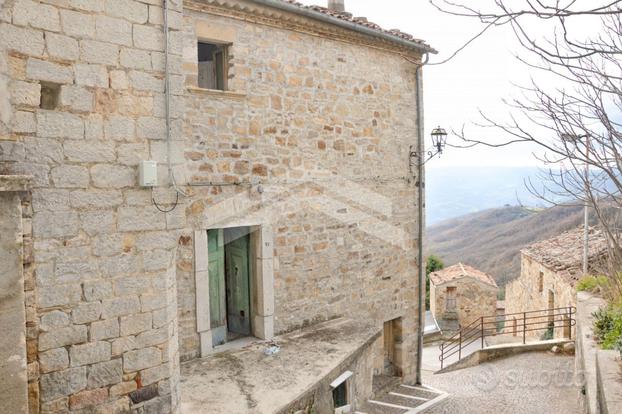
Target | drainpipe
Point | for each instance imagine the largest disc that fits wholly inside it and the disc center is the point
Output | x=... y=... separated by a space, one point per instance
x=420 y=219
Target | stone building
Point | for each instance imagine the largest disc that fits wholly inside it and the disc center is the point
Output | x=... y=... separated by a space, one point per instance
x=283 y=207
x=550 y=270
x=459 y=294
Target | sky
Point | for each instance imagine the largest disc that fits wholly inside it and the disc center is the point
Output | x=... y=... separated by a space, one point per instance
x=478 y=78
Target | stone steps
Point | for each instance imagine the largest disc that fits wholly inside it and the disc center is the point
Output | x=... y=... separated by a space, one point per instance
x=392 y=397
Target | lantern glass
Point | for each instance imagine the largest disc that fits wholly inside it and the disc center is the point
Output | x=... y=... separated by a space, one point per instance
x=439 y=138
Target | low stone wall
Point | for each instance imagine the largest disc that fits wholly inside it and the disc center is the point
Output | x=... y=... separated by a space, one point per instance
x=501 y=351
x=318 y=399
x=600 y=371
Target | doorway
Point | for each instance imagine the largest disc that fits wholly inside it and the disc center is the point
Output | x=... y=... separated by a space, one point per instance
x=551 y=306
x=392 y=338
x=550 y=332
x=450 y=306
x=230 y=283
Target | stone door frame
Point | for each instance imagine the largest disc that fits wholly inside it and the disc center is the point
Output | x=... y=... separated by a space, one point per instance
x=13 y=356
x=262 y=282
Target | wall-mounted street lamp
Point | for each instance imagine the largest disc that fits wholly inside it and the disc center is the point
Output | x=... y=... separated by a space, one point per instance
x=439 y=139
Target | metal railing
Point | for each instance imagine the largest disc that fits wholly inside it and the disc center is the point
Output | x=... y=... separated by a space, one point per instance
x=546 y=320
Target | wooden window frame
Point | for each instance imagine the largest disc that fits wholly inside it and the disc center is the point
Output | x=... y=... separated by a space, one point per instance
x=223 y=66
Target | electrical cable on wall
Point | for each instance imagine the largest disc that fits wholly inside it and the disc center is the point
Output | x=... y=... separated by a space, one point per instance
x=162 y=209
x=167 y=99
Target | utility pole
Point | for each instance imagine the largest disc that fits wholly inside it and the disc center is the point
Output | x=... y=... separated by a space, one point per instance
x=586 y=236
x=576 y=139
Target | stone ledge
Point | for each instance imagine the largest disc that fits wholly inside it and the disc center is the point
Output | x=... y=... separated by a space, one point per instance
x=501 y=351
x=609 y=381
x=234 y=380
x=587 y=348
x=13 y=183
x=216 y=93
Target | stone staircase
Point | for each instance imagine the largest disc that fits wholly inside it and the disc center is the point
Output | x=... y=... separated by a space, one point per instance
x=393 y=397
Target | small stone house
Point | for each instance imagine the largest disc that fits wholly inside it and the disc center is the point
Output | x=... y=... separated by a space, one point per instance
x=242 y=183
x=459 y=294
x=550 y=270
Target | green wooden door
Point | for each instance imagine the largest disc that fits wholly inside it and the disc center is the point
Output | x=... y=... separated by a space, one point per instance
x=237 y=280
x=217 y=299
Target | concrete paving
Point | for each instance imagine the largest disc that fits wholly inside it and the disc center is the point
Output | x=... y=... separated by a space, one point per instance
x=247 y=381
x=532 y=383
x=432 y=352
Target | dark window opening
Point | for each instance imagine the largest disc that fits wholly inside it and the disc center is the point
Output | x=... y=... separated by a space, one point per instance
x=451 y=298
x=49 y=95
x=340 y=395
x=541 y=282
x=213 y=66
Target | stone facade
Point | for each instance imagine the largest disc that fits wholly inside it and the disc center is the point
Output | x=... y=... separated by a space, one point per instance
x=310 y=145
x=549 y=272
x=524 y=294
x=463 y=294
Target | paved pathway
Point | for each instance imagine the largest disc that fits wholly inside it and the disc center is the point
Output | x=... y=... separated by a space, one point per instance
x=531 y=383
x=431 y=353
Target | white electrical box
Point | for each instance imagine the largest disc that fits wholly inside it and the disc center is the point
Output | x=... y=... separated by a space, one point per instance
x=148 y=174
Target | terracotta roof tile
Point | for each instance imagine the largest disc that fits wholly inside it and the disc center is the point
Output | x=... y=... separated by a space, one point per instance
x=564 y=253
x=458 y=271
x=362 y=21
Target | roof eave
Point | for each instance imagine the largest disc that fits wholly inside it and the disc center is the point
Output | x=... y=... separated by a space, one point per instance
x=312 y=14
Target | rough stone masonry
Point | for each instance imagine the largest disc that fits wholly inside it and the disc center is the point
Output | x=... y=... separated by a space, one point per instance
x=310 y=141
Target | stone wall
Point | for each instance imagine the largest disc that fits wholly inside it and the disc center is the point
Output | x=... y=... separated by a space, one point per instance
x=313 y=140
x=474 y=299
x=103 y=302
x=523 y=294
x=324 y=126
x=598 y=371
x=5 y=103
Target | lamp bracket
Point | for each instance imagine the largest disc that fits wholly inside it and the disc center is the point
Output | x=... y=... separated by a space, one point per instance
x=415 y=159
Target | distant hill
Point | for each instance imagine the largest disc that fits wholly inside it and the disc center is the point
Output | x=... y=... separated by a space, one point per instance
x=491 y=240
x=456 y=191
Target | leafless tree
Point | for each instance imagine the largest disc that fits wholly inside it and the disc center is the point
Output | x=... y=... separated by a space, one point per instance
x=577 y=123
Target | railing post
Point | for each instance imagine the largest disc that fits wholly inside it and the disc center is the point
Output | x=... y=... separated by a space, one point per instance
x=482 y=331
x=460 y=347
x=569 y=322
x=524 y=326
x=442 y=353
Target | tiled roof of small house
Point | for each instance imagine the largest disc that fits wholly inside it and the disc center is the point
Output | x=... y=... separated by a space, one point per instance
x=458 y=271
x=563 y=254
x=363 y=22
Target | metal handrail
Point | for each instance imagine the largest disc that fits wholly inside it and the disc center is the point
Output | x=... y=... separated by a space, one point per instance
x=478 y=329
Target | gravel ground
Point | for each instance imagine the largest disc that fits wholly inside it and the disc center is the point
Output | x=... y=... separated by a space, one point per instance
x=531 y=383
